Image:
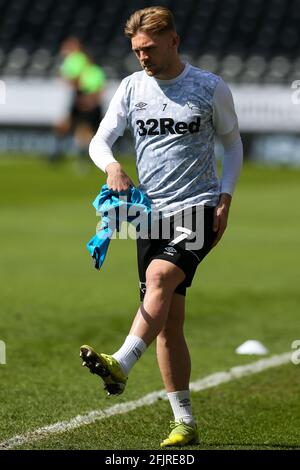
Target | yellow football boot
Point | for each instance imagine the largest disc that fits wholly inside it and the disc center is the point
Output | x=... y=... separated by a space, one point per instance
x=182 y=434
x=107 y=367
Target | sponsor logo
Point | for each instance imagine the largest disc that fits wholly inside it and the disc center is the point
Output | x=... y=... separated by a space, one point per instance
x=167 y=126
x=140 y=106
x=170 y=249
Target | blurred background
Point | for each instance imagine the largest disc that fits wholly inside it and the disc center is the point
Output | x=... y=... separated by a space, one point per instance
x=60 y=62
x=253 y=44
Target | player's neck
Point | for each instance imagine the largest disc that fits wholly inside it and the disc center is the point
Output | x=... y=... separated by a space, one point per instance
x=173 y=71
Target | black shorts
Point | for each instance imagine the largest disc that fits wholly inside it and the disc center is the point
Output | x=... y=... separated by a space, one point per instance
x=179 y=248
x=91 y=118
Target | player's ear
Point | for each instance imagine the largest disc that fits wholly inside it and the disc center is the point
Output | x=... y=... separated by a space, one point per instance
x=175 y=39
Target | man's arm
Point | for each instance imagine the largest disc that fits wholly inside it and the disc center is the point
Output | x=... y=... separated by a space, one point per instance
x=226 y=124
x=112 y=126
x=117 y=179
x=101 y=154
x=231 y=168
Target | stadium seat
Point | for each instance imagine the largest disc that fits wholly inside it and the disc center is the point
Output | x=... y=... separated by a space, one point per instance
x=278 y=69
x=40 y=63
x=231 y=68
x=254 y=69
x=208 y=62
x=242 y=40
x=294 y=71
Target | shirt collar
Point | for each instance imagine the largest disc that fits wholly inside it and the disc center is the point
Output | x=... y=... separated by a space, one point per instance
x=175 y=79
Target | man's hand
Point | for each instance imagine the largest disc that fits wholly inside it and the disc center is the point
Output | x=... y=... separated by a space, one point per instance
x=117 y=180
x=221 y=216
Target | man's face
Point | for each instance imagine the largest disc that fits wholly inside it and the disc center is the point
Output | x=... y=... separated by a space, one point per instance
x=70 y=45
x=155 y=51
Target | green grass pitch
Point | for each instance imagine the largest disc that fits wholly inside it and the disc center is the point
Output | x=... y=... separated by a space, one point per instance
x=53 y=300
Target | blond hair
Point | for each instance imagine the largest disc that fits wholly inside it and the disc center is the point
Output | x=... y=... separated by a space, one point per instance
x=153 y=19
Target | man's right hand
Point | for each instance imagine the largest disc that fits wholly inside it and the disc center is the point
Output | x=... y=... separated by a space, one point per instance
x=117 y=179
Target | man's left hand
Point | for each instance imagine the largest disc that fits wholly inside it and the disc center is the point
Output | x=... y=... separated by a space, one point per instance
x=221 y=217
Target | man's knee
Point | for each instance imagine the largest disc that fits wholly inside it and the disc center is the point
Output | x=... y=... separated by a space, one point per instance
x=156 y=279
x=163 y=275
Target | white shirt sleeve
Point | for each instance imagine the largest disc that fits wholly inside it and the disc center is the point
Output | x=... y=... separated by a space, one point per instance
x=111 y=127
x=224 y=115
x=226 y=124
x=232 y=161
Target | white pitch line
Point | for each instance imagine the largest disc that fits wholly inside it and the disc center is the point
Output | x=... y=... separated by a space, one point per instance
x=97 y=415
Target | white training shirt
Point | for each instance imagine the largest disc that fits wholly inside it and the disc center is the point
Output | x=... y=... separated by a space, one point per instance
x=173 y=123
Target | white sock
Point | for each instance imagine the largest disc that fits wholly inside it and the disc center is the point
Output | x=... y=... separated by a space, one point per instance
x=130 y=352
x=181 y=406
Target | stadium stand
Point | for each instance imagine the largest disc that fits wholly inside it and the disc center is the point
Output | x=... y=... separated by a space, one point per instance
x=254 y=45
x=244 y=41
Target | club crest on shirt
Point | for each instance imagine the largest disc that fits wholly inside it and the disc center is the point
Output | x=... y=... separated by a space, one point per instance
x=193 y=106
x=140 y=106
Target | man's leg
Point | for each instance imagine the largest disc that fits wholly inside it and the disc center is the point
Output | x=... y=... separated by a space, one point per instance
x=172 y=351
x=162 y=278
x=175 y=367
x=60 y=132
